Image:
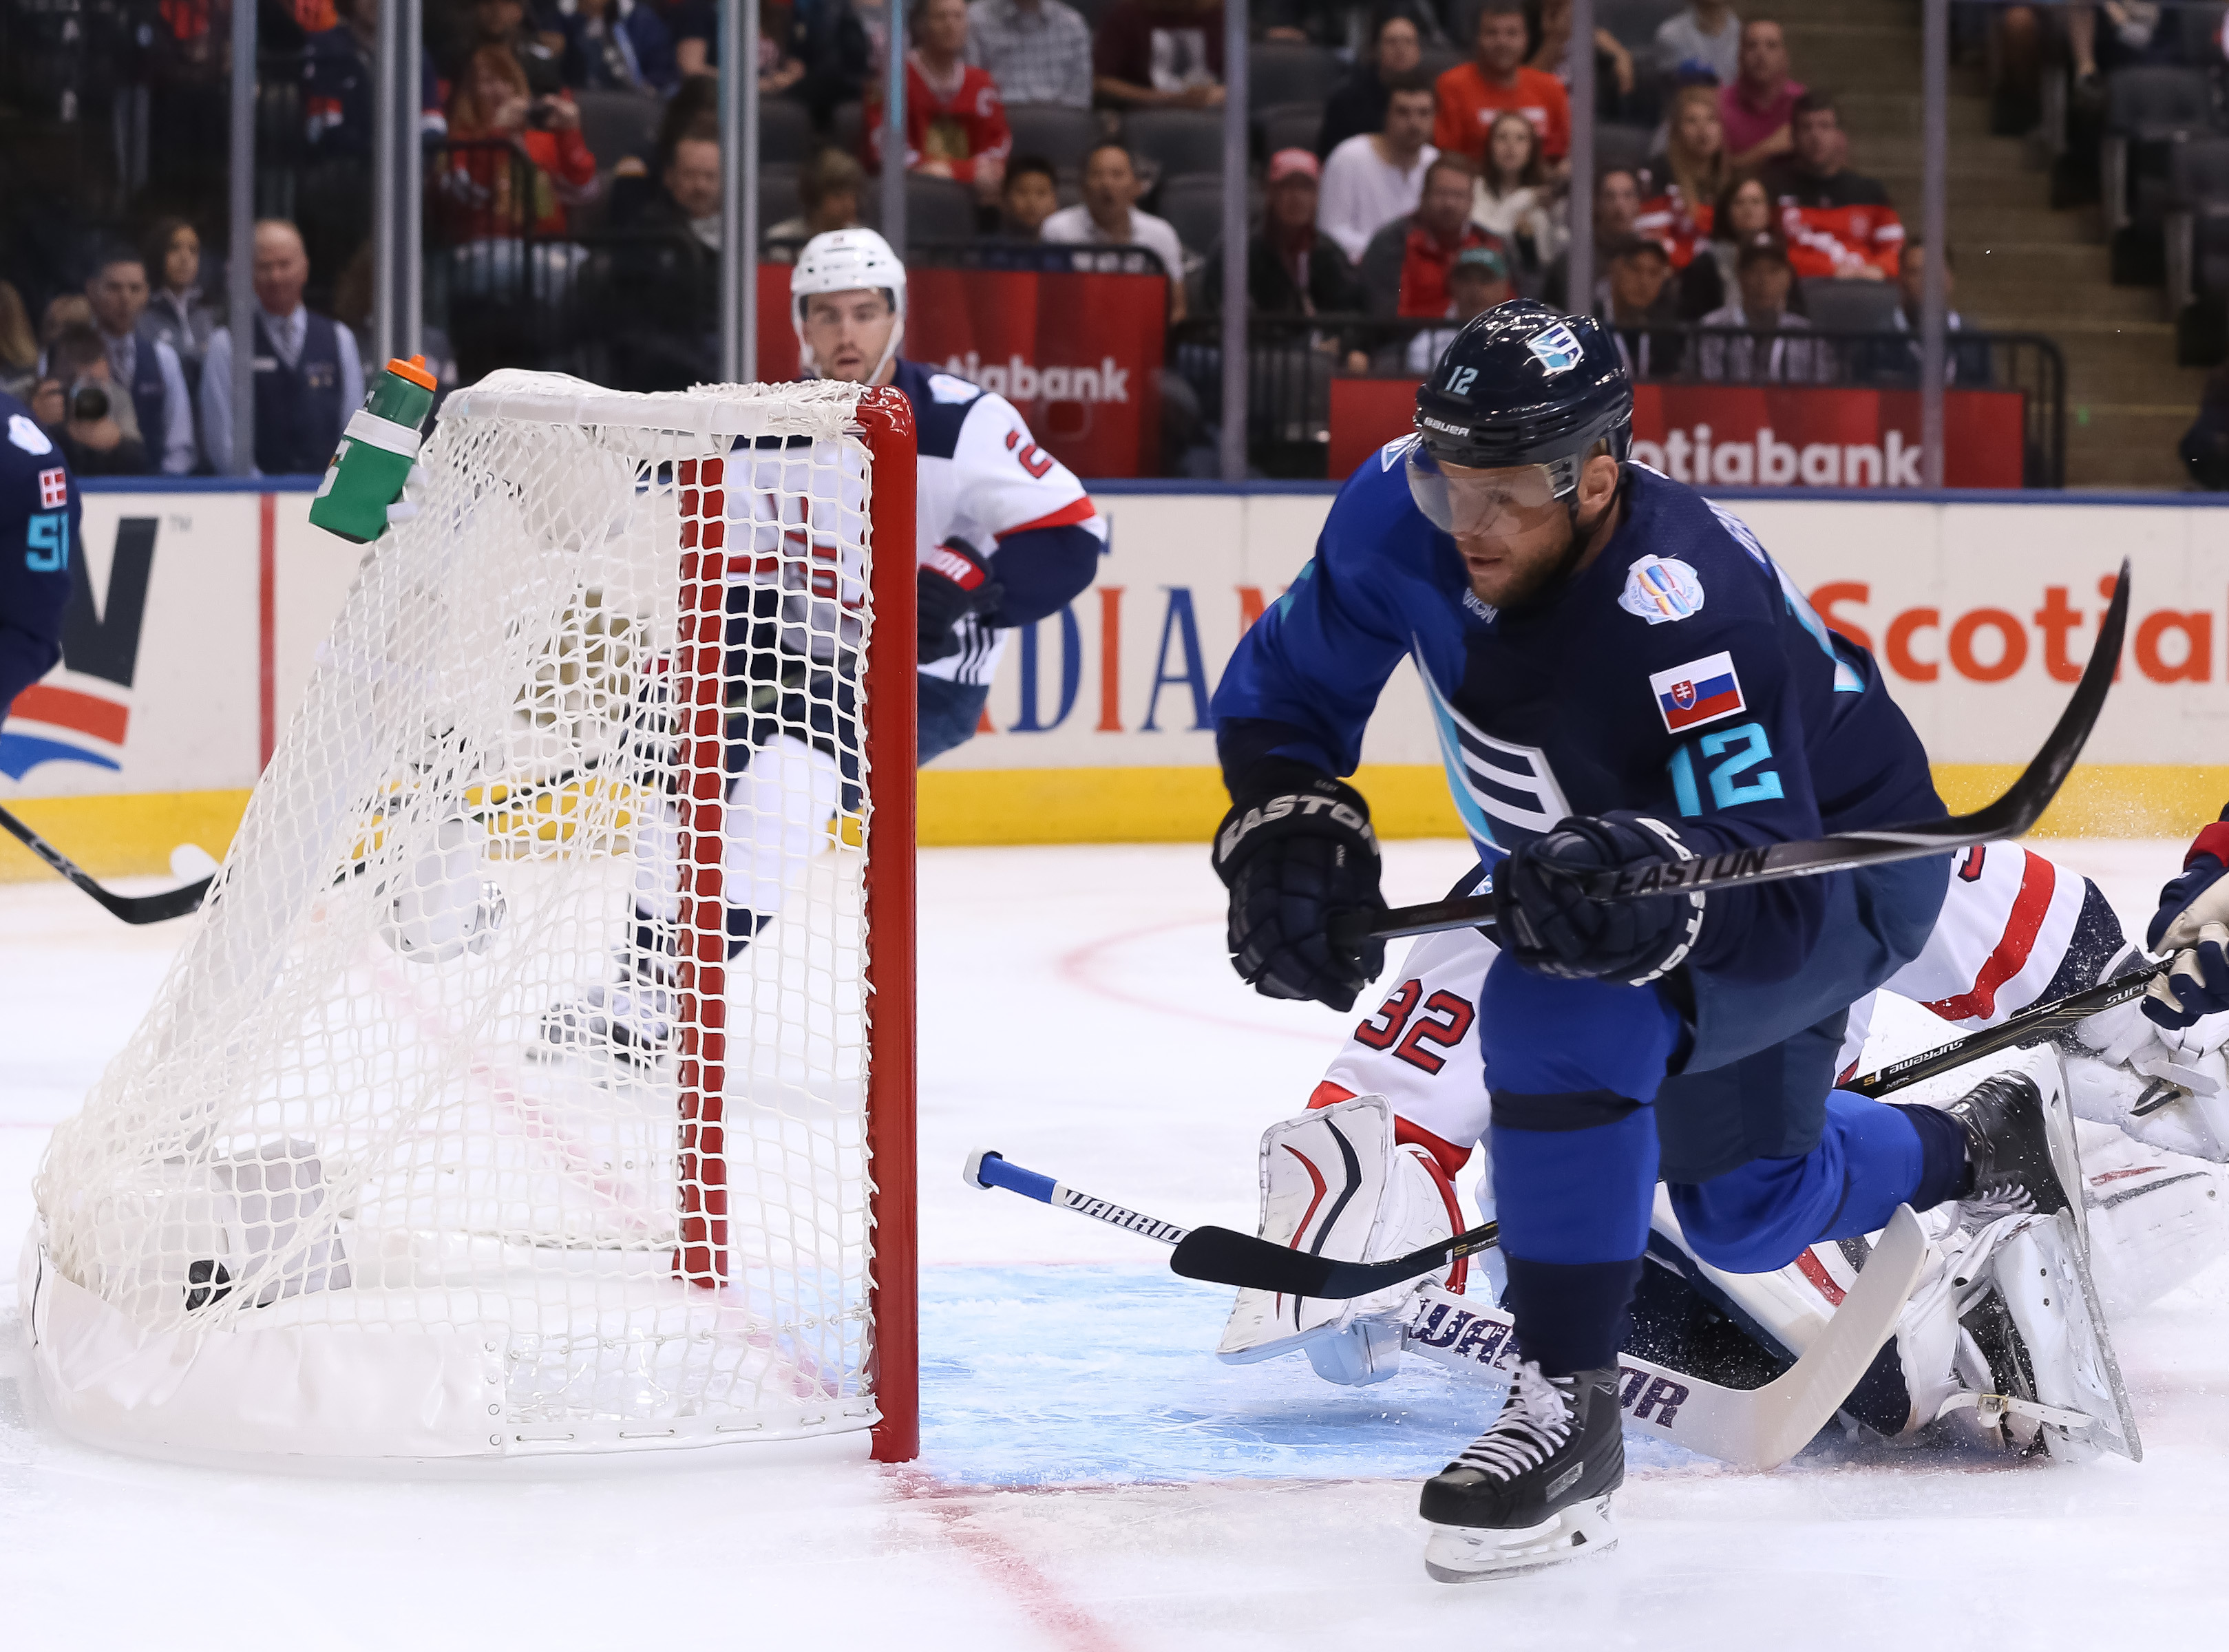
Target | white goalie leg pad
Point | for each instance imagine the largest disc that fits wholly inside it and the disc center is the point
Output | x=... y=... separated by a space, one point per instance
x=1336 y=1184
x=2156 y=1218
x=2169 y=1099
x=778 y=814
x=2045 y=1277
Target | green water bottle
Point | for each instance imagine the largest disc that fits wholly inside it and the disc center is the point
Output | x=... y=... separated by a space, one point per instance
x=376 y=452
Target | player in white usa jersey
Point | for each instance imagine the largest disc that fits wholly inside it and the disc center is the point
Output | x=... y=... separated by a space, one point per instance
x=1005 y=534
x=2016 y=930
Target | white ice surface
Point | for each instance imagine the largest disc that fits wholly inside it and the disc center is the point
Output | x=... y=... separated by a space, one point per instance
x=1092 y=1479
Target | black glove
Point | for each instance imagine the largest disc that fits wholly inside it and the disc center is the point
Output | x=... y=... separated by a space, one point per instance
x=1553 y=928
x=1296 y=848
x=953 y=582
x=2192 y=924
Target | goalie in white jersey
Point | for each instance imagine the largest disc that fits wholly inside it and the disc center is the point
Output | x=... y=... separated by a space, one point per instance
x=1403 y=1103
x=1005 y=536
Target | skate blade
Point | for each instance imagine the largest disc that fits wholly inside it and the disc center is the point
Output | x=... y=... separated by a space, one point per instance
x=1474 y=1553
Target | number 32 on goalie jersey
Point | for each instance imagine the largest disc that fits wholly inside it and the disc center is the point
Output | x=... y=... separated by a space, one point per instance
x=1397 y=1025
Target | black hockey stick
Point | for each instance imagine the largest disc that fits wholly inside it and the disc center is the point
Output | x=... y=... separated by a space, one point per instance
x=2037 y=1021
x=132 y=908
x=2010 y=816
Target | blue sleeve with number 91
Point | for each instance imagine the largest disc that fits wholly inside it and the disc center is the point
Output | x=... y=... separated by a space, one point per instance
x=46 y=540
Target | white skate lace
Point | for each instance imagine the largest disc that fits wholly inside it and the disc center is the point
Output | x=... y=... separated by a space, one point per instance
x=1993 y=1204
x=1532 y=1426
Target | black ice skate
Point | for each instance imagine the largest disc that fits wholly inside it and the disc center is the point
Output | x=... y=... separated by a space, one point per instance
x=1534 y=1489
x=629 y=1022
x=2020 y=1144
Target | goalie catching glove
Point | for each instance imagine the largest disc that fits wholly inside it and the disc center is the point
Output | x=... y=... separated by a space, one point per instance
x=2193 y=924
x=1550 y=925
x=1296 y=848
x=954 y=582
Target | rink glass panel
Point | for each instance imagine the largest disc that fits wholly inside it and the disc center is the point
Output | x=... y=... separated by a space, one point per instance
x=343 y=1112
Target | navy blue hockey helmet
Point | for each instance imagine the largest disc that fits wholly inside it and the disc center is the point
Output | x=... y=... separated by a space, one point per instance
x=1522 y=385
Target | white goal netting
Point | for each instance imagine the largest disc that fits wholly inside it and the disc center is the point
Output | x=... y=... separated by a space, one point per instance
x=513 y=1092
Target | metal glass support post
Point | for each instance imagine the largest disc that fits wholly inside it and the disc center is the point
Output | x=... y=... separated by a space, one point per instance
x=387 y=138
x=1934 y=215
x=894 y=126
x=1579 y=291
x=239 y=274
x=410 y=176
x=735 y=73
x=746 y=243
x=1233 y=295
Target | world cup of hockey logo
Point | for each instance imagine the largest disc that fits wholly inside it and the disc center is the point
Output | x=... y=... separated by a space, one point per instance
x=1683 y=696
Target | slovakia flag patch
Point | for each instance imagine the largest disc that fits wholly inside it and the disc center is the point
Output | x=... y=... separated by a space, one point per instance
x=1702 y=690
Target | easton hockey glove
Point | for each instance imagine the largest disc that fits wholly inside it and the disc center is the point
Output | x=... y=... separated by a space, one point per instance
x=2193 y=924
x=953 y=582
x=1296 y=848
x=1551 y=927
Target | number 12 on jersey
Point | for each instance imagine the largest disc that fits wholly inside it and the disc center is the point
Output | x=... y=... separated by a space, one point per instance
x=1728 y=757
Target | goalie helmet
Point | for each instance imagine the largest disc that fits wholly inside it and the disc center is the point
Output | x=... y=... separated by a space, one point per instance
x=845 y=261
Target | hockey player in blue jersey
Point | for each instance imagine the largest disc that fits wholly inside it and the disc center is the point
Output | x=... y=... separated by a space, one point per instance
x=1619 y=674
x=38 y=536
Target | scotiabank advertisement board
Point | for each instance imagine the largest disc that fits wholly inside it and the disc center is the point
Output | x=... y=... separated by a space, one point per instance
x=199 y=615
x=1755 y=435
x=1076 y=353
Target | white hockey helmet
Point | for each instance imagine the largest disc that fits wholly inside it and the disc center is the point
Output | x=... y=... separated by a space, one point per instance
x=843 y=261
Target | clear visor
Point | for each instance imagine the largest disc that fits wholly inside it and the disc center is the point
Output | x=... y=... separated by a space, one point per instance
x=1464 y=502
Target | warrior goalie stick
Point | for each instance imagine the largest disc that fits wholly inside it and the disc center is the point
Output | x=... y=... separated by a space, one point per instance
x=132 y=908
x=1757 y=1428
x=2011 y=816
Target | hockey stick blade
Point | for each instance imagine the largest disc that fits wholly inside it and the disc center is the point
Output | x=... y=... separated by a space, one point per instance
x=2037 y=1021
x=132 y=908
x=2011 y=816
x=1219 y=1255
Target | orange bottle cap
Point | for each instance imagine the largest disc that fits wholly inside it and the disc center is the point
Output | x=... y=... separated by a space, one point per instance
x=413 y=369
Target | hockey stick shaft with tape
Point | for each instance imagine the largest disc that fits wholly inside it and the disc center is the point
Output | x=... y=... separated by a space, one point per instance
x=1222 y=1255
x=132 y=908
x=2037 y=1021
x=2010 y=816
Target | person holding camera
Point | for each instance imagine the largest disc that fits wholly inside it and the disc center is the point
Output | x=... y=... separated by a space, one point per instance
x=79 y=409
x=146 y=372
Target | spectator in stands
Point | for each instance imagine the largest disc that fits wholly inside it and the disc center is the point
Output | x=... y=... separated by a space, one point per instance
x=146 y=371
x=1154 y=53
x=2017 y=92
x=1756 y=108
x=19 y=345
x=1965 y=361
x=955 y=123
x=504 y=23
x=1358 y=105
x=1479 y=281
x=1617 y=207
x=828 y=189
x=1038 y=51
x=618 y=46
x=1029 y=196
x=1291 y=270
x=84 y=411
x=308 y=377
x=665 y=335
x=1688 y=177
x=1765 y=280
x=840 y=44
x=1634 y=298
x=176 y=314
x=63 y=309
x=340 y=85
x=1836 y=221
x=1513 y=198
x=634 y=175
x=1614 y=72
x=495 y=121
x=1405 y=267
x=1472 y=94
x=1109 y=217
x=1374 y=178
x=1744 y=214
x=2205 y=446
x=1700 y=45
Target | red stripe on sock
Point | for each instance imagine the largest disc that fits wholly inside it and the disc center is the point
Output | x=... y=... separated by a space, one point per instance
x=2029 y=908
x=1815 y=1271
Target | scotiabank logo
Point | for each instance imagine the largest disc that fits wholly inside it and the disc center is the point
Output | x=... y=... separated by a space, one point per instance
x=1022 y=381
x=1989 y=644
x=80 y=712
x=1692 y=455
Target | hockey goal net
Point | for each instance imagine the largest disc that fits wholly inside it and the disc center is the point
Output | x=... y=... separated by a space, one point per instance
x=538 y=1076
